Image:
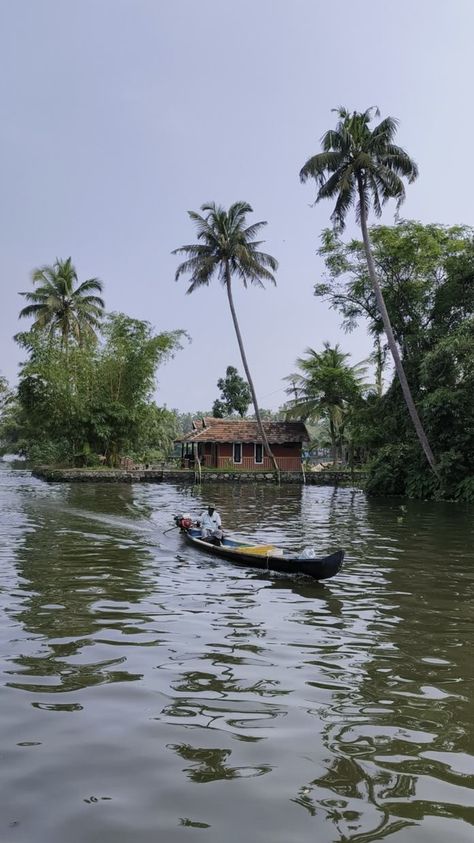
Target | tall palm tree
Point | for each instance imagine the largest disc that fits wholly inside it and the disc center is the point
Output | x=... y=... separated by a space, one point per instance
x=325 y=388
x=226 y=249
x=363 y=166
x=62 y=307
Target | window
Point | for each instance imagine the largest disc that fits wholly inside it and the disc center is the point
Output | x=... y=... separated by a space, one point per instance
x=237 y=452
x=258 y=453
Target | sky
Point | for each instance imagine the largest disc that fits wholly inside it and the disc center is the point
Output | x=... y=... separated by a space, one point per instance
x=119 y=116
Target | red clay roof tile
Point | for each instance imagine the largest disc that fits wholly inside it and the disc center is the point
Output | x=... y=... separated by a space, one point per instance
x=210 y=429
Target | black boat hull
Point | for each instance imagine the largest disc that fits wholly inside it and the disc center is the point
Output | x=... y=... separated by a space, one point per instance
x=319 y=568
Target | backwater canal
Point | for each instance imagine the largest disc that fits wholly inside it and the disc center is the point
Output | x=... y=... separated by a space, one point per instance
x=149 y=693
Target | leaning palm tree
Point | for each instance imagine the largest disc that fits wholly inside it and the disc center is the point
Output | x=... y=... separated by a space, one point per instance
x=60 y=306
x=226 y=249
x=363 y=166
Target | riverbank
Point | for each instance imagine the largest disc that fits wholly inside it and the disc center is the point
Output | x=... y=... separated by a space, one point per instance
x=169 y=475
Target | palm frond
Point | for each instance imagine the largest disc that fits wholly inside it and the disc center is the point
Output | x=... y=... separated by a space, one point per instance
x=396 y=159
x=88 y=286
x=252 y=230
x=345 y=200
x=384 y=133
x=60 y=305
x=353 y=150
x=238 y=210
x=330 y=188
x=192 y=265
x=30 y=310
x=319 y=164
x=228 y=242
x=95 y=301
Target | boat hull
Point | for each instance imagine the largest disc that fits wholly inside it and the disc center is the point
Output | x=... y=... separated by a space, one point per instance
x=319 y=568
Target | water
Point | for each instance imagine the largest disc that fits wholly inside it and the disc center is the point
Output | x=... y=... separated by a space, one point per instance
x=149 y=693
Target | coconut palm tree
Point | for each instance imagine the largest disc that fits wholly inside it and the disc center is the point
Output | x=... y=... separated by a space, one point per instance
x=362 y=166
x=62 y=307
x=325 y=388
x=227 y=249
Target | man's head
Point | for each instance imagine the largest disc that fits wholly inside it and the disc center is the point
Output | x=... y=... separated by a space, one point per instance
x=210 y=508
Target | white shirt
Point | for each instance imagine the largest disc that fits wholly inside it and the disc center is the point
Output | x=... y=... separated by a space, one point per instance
x=210 y=522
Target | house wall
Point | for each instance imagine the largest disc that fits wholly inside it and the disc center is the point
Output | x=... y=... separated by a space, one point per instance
x=288 y=457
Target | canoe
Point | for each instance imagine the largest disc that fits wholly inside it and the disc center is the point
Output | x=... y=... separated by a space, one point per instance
x=266 y=557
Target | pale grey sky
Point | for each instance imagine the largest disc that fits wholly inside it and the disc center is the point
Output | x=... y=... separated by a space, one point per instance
x=117 y=116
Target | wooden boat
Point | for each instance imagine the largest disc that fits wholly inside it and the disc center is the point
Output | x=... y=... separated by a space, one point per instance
x=266 y=557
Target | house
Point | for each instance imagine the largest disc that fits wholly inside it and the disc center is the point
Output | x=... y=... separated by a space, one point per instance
x=236 y=444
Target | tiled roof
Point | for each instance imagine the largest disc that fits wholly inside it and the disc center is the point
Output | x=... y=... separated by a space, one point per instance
x=210 y=429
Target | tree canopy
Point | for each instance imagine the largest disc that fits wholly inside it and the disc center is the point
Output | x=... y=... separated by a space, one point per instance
x=99 y=404
x=235 y=395
x=326 y=387
x=360 y=166
x=427 y=275
x=62 y=306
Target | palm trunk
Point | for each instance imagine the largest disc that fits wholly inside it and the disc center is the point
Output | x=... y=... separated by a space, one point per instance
x=390 y=337
x=266 y=444
x=379 y=367
x=332 y=432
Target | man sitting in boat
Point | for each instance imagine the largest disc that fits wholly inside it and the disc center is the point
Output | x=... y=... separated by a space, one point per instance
x=211 y=525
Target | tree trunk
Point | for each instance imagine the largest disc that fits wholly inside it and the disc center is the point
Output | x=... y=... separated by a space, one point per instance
x=332 y=432
x=390 y=337
x=266 y=444
x=379 y=362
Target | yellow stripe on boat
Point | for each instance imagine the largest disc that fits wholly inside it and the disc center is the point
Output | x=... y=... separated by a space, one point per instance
x=259 y=550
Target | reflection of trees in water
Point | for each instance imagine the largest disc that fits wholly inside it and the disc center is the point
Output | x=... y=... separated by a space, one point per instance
x=355 y=804
x=399 y=663
x=222 y=715
x=70 y=569
x=250 y=508
x=208 y=765
x=199 y=682
x=226 y=697
x=108 y=499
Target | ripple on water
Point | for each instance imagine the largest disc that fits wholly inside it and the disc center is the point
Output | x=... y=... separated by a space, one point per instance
x=148 y=692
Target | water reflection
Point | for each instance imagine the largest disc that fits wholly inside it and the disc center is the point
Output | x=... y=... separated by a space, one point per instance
x=396 y=682
x=77 y=592
x=139 y=670
x=208 y=765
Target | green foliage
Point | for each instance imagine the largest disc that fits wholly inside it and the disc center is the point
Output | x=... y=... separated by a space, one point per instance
x=158 y=430
x=219 y=409
x=88 y=400
x=465 y=490
x=363 y=166
x=226 y=247
x=7 y=419
x=60 y=306
x=421 y=270
x=427 y=277
x=5 y=394
x=235 y=395
x=326 y=387
x=359 y=165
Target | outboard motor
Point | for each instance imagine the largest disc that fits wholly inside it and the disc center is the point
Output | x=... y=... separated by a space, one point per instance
x=184 y=522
